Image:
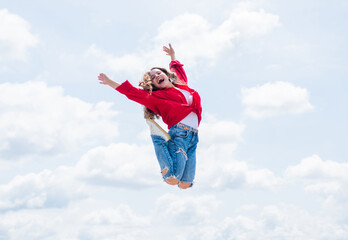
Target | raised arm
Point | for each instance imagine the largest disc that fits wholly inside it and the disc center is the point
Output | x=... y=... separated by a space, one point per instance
x=175 y=65
x=170 y=52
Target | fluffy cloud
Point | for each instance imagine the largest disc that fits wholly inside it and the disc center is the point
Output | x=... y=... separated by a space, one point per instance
x=250 y=23
x=78 y=221
x=121 y=165
x=31 y=225
x=217 y=166
x=217 y=131
x=114 y=223
x=314 y=167
x=276 y=98
x=37 y=119
x=65 y=224
x=186 y=210
x=327 y=179
x=195 y=216
x=129 y=63
x=193 y=37
x=15 y=37
x=323 y=177
x=122 y=215
x=273 y=222
x=43 y=190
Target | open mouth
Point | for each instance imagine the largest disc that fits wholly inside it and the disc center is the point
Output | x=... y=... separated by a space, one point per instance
x=160 y=81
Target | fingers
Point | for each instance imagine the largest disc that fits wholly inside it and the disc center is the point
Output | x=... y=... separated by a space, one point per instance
x=102 y=78
x=101 y=75
x=169 y=50
x=166 y=49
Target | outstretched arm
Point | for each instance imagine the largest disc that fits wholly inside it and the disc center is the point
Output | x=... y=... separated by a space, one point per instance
x=136 y=94
x=170 y=52
x=107 y=81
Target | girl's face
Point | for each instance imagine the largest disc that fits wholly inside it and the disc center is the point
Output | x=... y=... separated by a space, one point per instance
x=159 y=79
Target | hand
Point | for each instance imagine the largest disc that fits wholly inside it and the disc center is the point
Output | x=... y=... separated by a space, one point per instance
x=107 y=81
x=170 y=51
x=104 y=79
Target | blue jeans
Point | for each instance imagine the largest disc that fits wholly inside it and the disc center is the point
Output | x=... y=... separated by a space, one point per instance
x=178 y=155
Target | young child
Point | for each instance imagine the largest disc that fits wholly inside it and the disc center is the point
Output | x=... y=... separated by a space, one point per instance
x=167 y=94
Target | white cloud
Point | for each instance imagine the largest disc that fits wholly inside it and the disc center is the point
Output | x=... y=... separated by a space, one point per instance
x=213 y=131
x=193 y=37
x=250 y=23
x=120 y=165
x=322 y=177
x=92 y=220
x=114 y=223
x=37 y=119
x=195 y=216
x=29 y=225
x=273 y=222
x=314 y=167
x=217 y=166
x=276 y=98
x=15 y=36
x=327 y=180
x=64 y=223
x=290 y=222
x=184 y=210
x=46 y=189
x=123 y=216
x=129 y=63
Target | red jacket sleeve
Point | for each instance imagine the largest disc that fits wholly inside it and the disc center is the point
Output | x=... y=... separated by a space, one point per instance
x=177 y=67
x=138 y=95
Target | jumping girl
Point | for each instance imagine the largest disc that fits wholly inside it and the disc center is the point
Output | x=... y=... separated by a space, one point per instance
x=166 y=94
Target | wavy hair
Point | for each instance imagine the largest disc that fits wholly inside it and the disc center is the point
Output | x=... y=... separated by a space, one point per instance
x=147 y=85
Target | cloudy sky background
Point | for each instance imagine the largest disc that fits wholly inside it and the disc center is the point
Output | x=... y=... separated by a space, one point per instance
x=76 y=160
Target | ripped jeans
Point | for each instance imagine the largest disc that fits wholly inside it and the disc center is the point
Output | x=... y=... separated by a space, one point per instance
x=178 y=155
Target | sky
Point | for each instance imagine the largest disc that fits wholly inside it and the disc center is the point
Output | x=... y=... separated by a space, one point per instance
x=76 y=158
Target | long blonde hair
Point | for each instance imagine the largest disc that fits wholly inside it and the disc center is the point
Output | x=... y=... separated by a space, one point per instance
x=147 y=85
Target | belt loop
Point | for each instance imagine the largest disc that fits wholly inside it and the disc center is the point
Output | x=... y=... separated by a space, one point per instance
x=187 y=127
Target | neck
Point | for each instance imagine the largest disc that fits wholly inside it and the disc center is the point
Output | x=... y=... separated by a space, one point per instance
x=171 y=85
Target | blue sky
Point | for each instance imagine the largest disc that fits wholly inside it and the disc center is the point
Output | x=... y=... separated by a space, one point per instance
x=76 y=160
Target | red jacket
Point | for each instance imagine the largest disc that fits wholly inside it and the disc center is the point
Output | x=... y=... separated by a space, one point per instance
x=169 y=103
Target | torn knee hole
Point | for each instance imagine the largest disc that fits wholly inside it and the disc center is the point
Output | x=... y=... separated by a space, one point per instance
x=164 y=171
x=183 y=152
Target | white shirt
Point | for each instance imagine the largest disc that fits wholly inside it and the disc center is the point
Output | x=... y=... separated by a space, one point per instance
x=191 y=119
